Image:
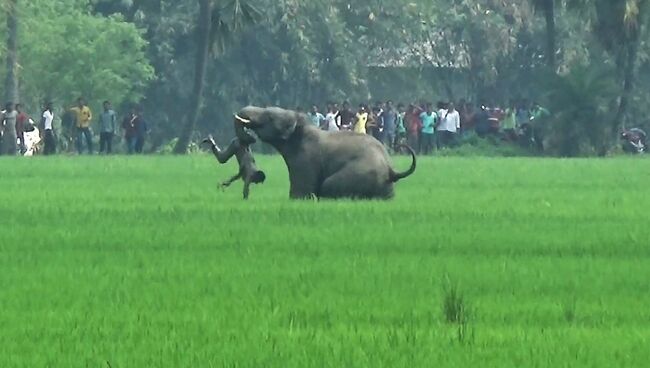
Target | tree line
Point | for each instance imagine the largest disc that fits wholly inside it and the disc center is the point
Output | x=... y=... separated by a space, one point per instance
x=189 y=63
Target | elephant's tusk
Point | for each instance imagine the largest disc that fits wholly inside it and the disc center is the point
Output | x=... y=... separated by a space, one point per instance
x=242 y=120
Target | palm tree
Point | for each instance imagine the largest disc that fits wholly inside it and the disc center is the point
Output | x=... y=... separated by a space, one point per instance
x=215 y=26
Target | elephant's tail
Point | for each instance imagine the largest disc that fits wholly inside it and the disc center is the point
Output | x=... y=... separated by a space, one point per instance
x=396 y=176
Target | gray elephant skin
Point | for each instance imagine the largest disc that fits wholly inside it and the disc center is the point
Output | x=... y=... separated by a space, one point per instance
x=324 y=164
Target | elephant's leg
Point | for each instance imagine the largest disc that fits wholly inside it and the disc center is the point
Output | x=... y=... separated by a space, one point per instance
x=304 y=183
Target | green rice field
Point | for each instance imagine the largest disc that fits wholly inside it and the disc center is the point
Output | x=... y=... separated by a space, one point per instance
x=142 y=262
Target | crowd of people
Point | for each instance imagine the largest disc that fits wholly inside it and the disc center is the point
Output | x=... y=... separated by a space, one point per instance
x=76 y=126
x=427 y=128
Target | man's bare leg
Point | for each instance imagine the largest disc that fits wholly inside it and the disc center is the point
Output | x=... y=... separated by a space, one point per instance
x=222 y=155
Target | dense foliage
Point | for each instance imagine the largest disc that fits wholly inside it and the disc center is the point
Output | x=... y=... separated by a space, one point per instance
x=298 y=52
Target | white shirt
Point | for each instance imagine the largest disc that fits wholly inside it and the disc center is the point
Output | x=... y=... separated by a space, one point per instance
x=449 y=121
x=331 y=122
x=48 y=116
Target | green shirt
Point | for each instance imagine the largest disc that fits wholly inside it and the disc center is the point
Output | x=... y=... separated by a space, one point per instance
x=428 y=122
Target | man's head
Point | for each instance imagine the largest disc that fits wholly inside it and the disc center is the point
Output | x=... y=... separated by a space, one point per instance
x=107 y=105
x=81 y=102
x=451 y=107
x=9 y=107
x=346 y=105
x=429 y=108
x=389 y=105
x=400 y=107
x=48 y=106
x=19 y=107
x=314 y=109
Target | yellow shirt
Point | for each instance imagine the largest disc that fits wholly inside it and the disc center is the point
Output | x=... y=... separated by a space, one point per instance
x=84 y=116
x=360 y=126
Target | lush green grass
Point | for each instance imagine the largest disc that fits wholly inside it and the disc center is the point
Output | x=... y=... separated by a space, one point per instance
x=141 y=262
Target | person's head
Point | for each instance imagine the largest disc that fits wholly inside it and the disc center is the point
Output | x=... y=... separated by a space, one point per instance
x=400 y=107
x=335 y=107
x=389 y=105
x=536 y=105
x=48 y=106
x=362 y=108
x=330 y=107
x=107 y=105
x=346 y=105
x=9 y=106
x=451 y=107
x=429 y=108
x=19 y=107
x=314 y=109
x=81 y=102
x=440 y=105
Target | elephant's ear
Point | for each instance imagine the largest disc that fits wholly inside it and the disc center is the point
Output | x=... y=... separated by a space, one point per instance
x=288 y=126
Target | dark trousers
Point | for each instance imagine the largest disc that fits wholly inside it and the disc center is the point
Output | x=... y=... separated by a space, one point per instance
x=81 y=132
x=426 y=143
x=130 y=144
x=139 y=144
x=49 y=143
x=413 y=141
x=106 y=143
x=21 y=142
x=445 y=138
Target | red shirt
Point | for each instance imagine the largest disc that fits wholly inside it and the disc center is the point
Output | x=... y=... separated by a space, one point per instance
x=413 y=121
x=21 y=121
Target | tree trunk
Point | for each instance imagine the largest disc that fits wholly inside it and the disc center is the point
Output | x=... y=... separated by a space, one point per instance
x=629 y=73
x=202 y=53
x=11 y=83
x=551 y=47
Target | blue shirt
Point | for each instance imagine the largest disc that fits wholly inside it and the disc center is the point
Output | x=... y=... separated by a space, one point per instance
x=390 y=117
x=316 y=118
x=428 y=122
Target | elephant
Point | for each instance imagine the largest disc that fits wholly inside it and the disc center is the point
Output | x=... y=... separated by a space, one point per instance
x=328 y=165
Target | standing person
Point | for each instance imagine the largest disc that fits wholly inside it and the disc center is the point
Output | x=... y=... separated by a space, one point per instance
x=83 y=118
x=128 y=126
x=315 y=117
x=9 y=118
x=141 y=130
x=482 y=121
x=414 y=126
x=449 y=126
x=48 y=130
x=538 y=118
x=331 y=118
x=107 y=128
x=429 y=120
x=390 y=125
x=401 y=126
x=509 y=123
x=371 y=124
x=347 y=117
x=21 y=123
x=378 y=121
x=362 y=120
